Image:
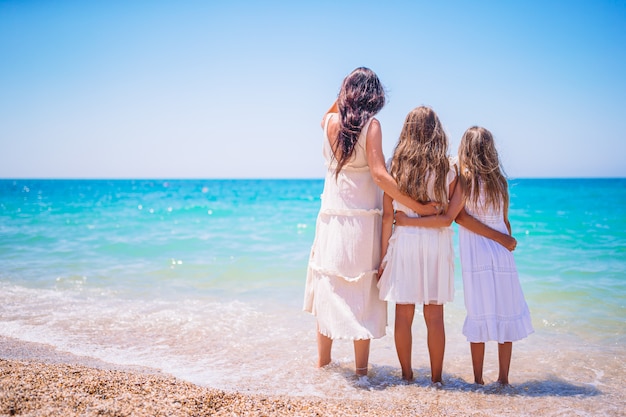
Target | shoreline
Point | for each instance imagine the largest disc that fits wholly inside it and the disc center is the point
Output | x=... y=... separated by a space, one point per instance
x=46 y=389
x=38 y=380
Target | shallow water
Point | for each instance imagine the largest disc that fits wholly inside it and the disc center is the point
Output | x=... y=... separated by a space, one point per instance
x=204 y=279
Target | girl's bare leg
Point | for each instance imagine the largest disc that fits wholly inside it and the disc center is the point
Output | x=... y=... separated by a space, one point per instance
x=478 y=358
x=404 y=338
x=324 y=345
x=361 y=355
x=505 y=350
x=433 y=316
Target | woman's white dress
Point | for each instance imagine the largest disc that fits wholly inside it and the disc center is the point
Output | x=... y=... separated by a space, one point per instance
x=341 y=278
x=419 y=264
x=495 y=304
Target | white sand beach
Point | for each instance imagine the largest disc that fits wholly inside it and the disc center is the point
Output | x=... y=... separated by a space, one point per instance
x=37 y=380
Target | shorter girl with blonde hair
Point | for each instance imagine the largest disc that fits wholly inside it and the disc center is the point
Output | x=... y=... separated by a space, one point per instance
x=495 y=304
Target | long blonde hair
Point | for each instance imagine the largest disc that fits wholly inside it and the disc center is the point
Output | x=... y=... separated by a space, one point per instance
x=422 y=152
x=481 y=169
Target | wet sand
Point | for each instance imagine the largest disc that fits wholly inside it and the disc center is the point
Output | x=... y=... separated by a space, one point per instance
x=37 y=380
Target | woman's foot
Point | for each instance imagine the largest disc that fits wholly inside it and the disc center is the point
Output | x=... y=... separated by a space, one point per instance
x=323 y=361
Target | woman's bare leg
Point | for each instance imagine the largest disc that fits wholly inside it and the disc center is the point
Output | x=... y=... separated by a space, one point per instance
x=324 y=346
x=361 y=355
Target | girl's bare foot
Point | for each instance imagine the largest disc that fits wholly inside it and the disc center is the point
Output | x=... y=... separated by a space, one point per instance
x=436 y=385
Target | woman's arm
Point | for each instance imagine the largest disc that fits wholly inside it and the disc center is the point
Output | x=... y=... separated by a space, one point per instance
x=471 y=224
x=378 y=170
x=387 y=229
x=333 y=109
x=440 y=220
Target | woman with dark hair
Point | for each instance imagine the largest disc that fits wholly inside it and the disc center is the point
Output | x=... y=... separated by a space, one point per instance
x=342 y=272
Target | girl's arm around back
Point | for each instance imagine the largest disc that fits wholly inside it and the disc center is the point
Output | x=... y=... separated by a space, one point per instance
x=440 y=220
x=482 y=229
x=384 y=181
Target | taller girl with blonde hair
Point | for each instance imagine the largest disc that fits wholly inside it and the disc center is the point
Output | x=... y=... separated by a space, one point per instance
x=341 y=278
x=418 y=264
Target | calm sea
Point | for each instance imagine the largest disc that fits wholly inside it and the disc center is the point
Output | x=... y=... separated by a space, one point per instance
x=204 y=279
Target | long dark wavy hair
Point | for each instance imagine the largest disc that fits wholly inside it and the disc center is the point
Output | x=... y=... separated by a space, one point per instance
x=361 y=96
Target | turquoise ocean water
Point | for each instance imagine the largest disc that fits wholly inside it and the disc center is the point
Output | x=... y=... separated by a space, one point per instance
x=204 y=279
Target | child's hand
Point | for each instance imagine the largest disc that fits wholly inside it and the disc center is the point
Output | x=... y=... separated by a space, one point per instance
x=509 y=242
x=401 y=219
x=432 y=208
x=381 y=269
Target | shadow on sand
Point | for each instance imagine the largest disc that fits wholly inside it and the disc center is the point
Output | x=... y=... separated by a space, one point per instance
x=384 y=377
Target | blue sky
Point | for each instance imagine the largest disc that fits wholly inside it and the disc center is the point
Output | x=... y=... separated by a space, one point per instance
x=236 y=89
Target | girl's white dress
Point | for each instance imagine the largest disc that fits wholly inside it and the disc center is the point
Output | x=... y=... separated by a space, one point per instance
x=419 y=264
x=495 y=304
x=341 y=278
